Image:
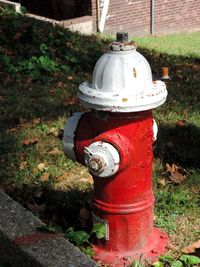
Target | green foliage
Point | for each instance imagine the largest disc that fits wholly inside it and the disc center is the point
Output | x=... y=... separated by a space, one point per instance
x=99 y=230
x=88 y=251
x=77 y=237
x=81 y=238
x=190 y=260
x=183 y=261
x=138 y=263
x=177 y=264
x=158 y=264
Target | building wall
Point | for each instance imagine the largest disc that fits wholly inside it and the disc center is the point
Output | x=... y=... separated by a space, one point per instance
x=180 y=15
x=134 y=16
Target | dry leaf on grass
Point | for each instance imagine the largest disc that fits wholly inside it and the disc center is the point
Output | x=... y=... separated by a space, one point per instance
x=60 y=84
x=54 y=131
x=30 y=141
x=23 y=165
x=45 y=177
x=11 y=130
x=41 y=167
x=71 y=100
x=191 y=248
x=23 y=156
x=175 y=173
x=55 y=152
x=37 y=121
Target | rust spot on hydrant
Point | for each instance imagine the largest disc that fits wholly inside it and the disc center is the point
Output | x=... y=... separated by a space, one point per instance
x=134 y=73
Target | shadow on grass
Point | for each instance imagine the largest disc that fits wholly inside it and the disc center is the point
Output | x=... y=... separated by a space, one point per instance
x=179 y=144
x=57 y=208
x=27 y=95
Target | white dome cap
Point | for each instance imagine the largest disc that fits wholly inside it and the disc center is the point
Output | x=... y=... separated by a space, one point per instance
x=122 y=82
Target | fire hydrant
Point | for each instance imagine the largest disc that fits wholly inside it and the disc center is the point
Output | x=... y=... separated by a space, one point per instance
x=114 y=140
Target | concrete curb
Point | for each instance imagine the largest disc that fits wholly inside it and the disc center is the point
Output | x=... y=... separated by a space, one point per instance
x=22 y=245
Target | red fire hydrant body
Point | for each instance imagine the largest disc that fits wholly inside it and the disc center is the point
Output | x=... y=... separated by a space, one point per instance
x=115 y=143
x=124 y=202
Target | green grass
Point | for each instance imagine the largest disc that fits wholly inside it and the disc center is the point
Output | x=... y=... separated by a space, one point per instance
x=41 y=67
x=183 y=44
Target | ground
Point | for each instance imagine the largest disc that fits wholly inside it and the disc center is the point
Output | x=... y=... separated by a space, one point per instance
x=41 y=67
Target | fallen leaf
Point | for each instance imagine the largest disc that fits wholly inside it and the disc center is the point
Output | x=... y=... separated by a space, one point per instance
x=45 y=177
x=37 y=121
x=55 y=152
x=41 y=167
x=70 y=100
x=11 y=130
x=23 y=156
x=172 y=247
x=191 y=248
x=175 y=173
x=60 y=84
x=181 y=123
x=162 y=181
x=30 y=141
x=54 y=131
x=23 y=165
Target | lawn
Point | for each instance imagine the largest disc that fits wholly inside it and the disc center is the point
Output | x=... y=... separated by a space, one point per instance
x=41 y=67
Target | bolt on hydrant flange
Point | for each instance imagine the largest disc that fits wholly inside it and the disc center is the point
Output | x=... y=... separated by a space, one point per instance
x=114 y=140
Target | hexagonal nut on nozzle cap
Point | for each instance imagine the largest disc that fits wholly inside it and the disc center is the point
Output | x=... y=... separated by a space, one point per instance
x=96 y=164
x=122 y=37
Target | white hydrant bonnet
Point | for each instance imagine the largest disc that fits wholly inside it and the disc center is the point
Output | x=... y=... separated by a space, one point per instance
x=122 y=82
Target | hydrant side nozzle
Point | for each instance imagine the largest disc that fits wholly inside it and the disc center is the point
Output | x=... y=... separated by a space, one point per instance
x=69 y=135
x=102 y=159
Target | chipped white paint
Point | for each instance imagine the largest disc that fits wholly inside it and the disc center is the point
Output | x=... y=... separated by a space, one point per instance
x=122 y=82
x=155 y=130
x=102 y=159
x=69 y=134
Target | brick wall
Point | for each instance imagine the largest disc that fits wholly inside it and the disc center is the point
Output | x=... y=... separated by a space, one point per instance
x=127 y=15
x=180 y=15
x=134 y=16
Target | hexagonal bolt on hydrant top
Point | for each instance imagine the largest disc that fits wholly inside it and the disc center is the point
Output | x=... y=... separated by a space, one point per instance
x=114 y=140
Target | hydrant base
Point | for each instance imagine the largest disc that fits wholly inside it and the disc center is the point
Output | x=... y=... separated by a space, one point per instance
x=156 y=246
